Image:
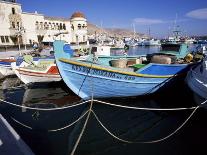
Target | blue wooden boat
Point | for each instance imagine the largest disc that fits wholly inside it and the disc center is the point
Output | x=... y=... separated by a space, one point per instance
x=87 y=78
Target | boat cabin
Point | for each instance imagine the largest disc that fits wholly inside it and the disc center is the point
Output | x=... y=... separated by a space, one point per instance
x=101 y=50
x=179 y=50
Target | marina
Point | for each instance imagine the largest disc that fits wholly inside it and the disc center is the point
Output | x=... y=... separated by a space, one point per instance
x=49 y=115
x=97 y=80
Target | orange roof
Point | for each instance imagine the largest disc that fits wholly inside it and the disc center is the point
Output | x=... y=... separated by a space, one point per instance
x=78 y=14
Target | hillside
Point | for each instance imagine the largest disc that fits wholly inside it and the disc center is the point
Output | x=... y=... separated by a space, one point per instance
x=117 y=32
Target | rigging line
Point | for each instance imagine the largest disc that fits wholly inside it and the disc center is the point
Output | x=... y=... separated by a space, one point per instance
x=88 y=71
x=45 y=109
x=151 y=109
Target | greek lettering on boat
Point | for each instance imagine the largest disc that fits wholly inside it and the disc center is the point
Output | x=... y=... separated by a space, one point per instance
x=101 y=73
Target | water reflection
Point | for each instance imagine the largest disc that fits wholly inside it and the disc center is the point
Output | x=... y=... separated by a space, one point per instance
x=128 y=124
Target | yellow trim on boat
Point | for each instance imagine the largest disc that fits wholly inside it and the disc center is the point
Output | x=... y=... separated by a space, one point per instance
x=94 y=66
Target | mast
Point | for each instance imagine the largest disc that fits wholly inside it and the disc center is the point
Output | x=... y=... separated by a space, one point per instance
x=134 y=29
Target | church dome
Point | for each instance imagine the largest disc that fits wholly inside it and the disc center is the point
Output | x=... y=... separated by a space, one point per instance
x=78 y=15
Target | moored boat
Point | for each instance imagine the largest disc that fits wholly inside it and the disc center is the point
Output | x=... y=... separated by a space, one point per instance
x=197 y=81
x=99 y=79
x=5 y=66
x=42 y=70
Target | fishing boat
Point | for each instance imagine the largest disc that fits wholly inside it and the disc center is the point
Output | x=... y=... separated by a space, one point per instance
x=42 y=70
x=197 y=81
x=5 y=66
x=102 y=79
x=151 y=42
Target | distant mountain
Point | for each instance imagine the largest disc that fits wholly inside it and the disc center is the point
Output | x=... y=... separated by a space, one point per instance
x=113 y=32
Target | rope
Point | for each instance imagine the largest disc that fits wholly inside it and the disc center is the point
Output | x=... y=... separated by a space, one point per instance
x=45 y=109
x=88 y=116
x=26 y=126
x=52 y=130
x=144 y=142
x=140 y=108
x=88 y=71
x=83 y=129
x=153 y=141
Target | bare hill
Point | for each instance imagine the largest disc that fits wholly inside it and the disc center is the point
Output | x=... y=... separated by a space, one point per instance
x=115 y=32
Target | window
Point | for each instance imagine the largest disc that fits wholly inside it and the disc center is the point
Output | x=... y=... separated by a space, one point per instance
x=83 y=26
x=13 y=11
x=72 y=27
x=2 y=39
x=64 y=27
x=7 y=39
x=50 y=26
x=18 y=25
x=41 y=25
x=61 y=26
x=57 y=27
x=13 y=25
x=53 y=26
x=45 y=26
x=77 y=39
x=37 y=25
x=79 y=26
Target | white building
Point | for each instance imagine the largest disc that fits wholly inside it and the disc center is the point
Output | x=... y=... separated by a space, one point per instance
x=17 y=27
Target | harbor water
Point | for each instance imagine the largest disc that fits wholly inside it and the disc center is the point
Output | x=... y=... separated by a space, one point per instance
x=49 y=127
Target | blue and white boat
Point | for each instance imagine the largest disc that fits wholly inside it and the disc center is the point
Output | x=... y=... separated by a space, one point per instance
x=197 y=81
x=5 y=66
x=100 y=80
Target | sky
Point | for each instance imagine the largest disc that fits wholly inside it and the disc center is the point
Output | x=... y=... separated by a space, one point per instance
x=154 y=17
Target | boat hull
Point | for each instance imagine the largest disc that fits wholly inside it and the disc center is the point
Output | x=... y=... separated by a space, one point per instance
x=5 y=67
x=6 y=70
x=30 y=76
x=99 y=82
x=195 y=82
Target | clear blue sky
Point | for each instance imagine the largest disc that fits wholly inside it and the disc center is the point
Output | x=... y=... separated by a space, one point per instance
x=158 y=15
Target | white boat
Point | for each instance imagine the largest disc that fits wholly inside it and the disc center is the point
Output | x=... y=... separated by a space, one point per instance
x=43 y=70
x=101 y=50
x=5 y=67
x=197 y=81
x=152 y=42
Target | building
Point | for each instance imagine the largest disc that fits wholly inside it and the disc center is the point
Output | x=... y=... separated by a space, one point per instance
x=22 y=28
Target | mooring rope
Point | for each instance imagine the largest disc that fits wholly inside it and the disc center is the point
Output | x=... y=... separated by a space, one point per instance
x=152 y=141
x=83 y=129
x=22 y=124
x=87 y=119
x=52 y=130
x=142 y=108
x=44 y=109
x=80 y=118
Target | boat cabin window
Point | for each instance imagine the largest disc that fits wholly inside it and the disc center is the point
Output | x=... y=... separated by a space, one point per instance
x=170 y=47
